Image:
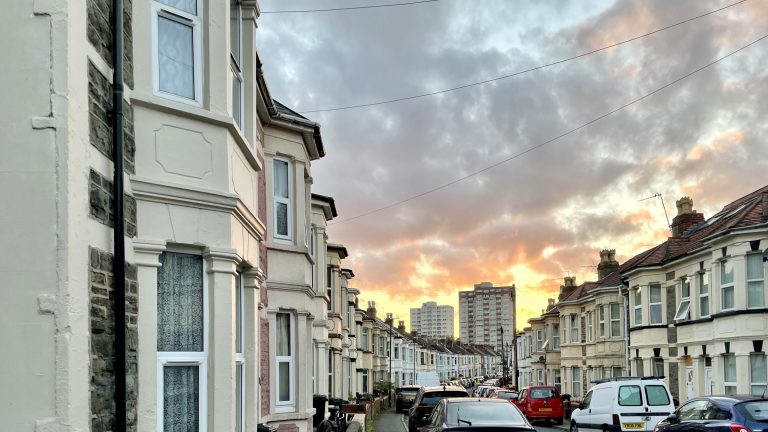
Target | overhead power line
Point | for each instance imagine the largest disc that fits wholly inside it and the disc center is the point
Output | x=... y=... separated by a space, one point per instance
x=514 y=74
x=551 y=140
x=350 y=7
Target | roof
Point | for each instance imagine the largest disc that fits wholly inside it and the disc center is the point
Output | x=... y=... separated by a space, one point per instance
x=746 y=212
x=339 y=248
x=328 y=200
x=282 y=109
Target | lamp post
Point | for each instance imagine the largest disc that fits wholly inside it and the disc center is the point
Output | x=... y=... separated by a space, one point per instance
x=391 y=349
x=504 y=366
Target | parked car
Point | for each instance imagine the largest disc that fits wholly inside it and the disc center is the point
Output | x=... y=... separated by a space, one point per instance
x=507 y=395
x=541 y=403
x=486 y=415
x=623 y=404
x=404 y=397
x=425 y=401
x=718 y=414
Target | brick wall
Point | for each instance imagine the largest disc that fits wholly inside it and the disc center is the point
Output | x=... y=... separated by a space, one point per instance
x=101 y=197
x=102 y=328
x=100 y=128
x=100 y=34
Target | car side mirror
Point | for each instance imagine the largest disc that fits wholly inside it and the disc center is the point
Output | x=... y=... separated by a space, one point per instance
x=582 y=405
x=673 y=418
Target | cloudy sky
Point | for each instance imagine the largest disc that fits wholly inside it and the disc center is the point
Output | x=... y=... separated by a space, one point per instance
x=547 y=213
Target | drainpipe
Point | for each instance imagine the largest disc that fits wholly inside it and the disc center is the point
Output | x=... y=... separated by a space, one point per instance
x=626 y=330
x=119 y=228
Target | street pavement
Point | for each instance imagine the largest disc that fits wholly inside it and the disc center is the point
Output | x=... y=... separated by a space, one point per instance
x=388 y=421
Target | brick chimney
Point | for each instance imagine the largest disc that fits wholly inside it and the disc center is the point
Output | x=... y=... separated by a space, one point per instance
x=371 y=312
x=765 y=205
x=401 y=326
x=608 y=263
x=686 y=217
x=567 y=288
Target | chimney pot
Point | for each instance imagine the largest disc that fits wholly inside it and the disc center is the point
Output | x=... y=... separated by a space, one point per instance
x=686 y=217
x=684 y=205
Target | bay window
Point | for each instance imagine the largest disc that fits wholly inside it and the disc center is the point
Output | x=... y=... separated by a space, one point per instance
x=615 y=309
x=282 y=198
x=284 y=363
x=755 y=279
x=654 y=304
x=684 y=306
x=181 y=344
x=726 y=286
x=177 y=40
x=703 y=294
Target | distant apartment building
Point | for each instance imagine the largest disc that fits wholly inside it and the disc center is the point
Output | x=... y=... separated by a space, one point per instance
x=432 y=320
x=487 y=315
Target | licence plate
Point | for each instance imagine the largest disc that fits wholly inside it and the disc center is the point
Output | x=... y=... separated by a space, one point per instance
x=545 y=409
x=634 y=425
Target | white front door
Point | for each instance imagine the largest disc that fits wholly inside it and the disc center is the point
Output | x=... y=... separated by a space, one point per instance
x=708 y=381
x=689 y=383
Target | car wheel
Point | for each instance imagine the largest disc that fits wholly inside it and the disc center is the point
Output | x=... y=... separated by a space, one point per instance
x=574 y=428
x=559 y=421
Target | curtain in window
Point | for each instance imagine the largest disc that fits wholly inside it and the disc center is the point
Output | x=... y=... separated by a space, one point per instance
x=181 y=399
x=283 y=329
x=176 y=57
x=755 y=295
x=729 y=369
x=655 y=304
x=180 y=303
x=758 y=372
x=281 y=178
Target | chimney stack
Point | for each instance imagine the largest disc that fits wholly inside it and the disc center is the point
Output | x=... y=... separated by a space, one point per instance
x=567 y=288
x=686 y=217
x=765 y=205
x=608 y=263
x=371 y=310
x=401 y=326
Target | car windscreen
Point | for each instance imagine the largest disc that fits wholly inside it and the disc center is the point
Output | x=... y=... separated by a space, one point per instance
x=483 y=414
x=656 y=395
x=544 y=393
x=431 y=399
x=754 y=410
x=629 y=395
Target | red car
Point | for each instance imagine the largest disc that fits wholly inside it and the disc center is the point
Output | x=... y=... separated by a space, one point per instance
x=541 y=403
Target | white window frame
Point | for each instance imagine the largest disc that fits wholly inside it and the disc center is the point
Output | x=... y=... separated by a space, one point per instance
x=761 y=281
x=652 y=304
x=638 y=306
x=539 y=340
x=656 y=363
x=601 y=320
x=573 y=322
x=540 y=377
x=730 y=384
x=613 y=319
x=290 y=404
x=705 y=277
x=762 y=386
x=288 y=201
x=684 y=306
x=193 y=21
x=329 y=279
x=555 y=336
x=236 y=64
x=726 y=286
x=187 y=358
x=589 y=327
x=576 y=383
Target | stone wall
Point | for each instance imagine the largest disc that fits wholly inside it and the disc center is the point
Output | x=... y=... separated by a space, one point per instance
x=102 y=328
x=100 y=127
x=100 y=33
x=101 y=196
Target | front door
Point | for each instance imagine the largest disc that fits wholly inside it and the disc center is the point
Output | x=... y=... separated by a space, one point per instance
x=708 y=381
x=689 y=383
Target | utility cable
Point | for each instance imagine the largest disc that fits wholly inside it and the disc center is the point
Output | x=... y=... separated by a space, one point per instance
x=350 y=7
x=422 y=95
x=564 y=134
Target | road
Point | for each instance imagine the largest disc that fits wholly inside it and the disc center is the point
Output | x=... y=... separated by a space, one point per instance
x=388 y=421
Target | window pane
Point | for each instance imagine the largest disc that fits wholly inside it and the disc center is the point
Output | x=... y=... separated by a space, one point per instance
x=175 y=50
x=284 y=382
x=755 y=294
x=281 y=178
x=655 y=294
x=181 y=399
x=727 y=298
x=685 y=288
x=726 y=272
x=758 y=369
x=235 y=24
x=729 y=363
x=755 y=266
x=630 y=396
x=283 y=330
x=615 y=328
x=237 y=96
x=189 y=6
x=638 y=316
x=704 y=306
x=655 y=314
x=656 y=395
x=282 y=219
x=180 y=302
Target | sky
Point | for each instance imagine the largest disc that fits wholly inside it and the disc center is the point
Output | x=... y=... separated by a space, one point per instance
x=546 y=213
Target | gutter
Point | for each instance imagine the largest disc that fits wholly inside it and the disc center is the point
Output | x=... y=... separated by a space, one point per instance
x=119 y=221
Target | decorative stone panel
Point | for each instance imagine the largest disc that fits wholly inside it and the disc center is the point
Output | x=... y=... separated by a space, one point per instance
x=102 y=333
x=101 y=201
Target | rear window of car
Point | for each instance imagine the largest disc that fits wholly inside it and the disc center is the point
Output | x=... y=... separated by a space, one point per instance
x=543 y=393
x=629 y=395
x=755 y=410
x=483 y=414
x=431 y=399
x=507 y=395
x=656 y=395
x=408 y=394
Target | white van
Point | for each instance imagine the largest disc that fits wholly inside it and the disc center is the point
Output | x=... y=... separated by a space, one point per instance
x=623 y=404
